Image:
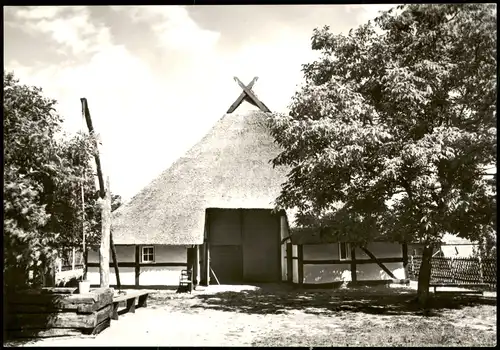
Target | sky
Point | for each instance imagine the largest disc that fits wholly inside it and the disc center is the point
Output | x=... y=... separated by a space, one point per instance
x=157 y=78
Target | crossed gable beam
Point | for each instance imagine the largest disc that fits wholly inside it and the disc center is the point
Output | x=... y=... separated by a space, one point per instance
x=248 y=95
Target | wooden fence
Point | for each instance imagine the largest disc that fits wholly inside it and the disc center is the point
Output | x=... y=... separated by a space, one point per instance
x=457 y=270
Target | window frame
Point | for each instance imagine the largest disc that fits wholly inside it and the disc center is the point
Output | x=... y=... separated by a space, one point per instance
x=347 y=251
x=148 y=254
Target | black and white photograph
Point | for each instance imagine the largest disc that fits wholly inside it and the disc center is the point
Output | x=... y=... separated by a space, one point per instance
x=250 y=175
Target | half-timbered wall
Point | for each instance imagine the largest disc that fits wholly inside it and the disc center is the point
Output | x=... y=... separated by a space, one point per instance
x=323 y=263
x=169 y=260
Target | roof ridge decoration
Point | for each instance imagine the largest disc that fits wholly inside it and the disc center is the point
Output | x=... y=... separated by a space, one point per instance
x=248 y=95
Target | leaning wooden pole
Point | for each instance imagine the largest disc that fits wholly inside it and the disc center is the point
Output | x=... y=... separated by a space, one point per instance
x=113 y=255
x=104 y=193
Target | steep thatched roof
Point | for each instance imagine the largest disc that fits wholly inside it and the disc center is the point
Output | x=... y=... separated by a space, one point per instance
x=228 y=168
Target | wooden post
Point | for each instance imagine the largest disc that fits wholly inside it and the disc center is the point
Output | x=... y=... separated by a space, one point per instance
x=300 y=253
x=452 y=267
x=137 y=266
x=412 y=267
x=289 y=262
x=86 y=264
x=207 y=262
x=104 y=248
x=404 y=247
x=481 y=269
x=354 y=272
x=196 y=267
x=115 y=262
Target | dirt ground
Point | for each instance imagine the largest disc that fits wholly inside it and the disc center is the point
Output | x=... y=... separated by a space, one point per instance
x=272 y=315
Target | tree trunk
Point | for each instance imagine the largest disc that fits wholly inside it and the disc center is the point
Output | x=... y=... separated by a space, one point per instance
x=424 y=276
x=106 y=230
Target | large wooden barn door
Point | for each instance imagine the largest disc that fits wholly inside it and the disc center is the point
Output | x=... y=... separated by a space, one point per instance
x=226 y=255
x=261 y=246
x=244 y=245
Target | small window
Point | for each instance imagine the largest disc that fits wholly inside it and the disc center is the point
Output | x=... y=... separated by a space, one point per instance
x=344 y=251
x=148 y=254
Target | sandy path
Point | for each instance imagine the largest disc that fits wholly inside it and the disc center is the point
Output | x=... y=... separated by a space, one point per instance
x=164 y=327
x=177 y=320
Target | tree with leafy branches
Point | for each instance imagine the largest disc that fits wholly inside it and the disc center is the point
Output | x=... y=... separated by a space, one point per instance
x=44 y=171
x=393 y=133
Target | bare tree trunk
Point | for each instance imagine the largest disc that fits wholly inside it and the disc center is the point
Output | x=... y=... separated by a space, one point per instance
x=424 y=276
x=106 y=230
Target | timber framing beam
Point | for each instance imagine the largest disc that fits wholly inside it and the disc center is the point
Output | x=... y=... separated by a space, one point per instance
x=353 y=261
x=137 y=265
x=354 y=272
x=133 y=264
x=404 y=247
x=247 y=95
x=289 y=262
x=380 y=263
x=300 y=272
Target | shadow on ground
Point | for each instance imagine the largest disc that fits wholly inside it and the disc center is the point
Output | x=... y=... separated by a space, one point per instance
x=369 y=300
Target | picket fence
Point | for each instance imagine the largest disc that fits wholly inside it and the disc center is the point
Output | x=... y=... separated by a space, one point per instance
x=458 y=270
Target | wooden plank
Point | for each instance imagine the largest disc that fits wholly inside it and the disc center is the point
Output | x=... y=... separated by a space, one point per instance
x=129 y=295
x=41 y=308
x=357 y=261
x=379 y=263
x=98 y=305
x=58 y=320
x=101 y=326
x=114 y=310
x=242 y=97
x=44 y=333
x=354 y=272
x=249 y=100
x=103 y=314
x=143 y=300
x=131 y=305
x=252 y=96
x=59 y=290
x=58 y=300
x=300 y=252
x=137 y=264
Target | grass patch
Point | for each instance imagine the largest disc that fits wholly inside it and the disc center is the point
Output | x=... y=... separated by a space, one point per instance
x=415 y=332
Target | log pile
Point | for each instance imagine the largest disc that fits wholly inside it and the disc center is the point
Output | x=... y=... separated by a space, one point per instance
x=52 y=312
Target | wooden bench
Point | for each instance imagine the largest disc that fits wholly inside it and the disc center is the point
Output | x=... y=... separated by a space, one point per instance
x=458 y=285
x=130 y=297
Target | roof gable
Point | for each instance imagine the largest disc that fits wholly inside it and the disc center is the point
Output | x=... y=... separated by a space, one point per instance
x=229 y=168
